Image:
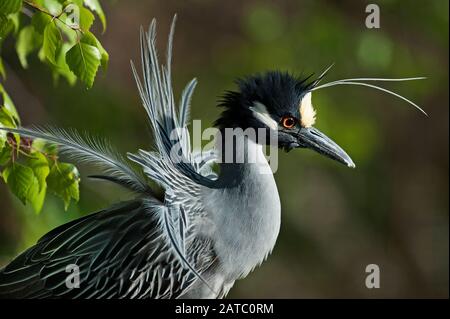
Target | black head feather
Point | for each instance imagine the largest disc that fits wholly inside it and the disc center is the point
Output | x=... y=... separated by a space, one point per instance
x=280 y=92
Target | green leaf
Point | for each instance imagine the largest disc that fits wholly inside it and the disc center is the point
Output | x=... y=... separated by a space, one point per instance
x=84 y=59
x=41 y=55
x=10 y=6
x=5 y=154
x=95 y=6
x=6 y=119
x=52 y=41
x=65 y=3
x=61 y=67
x=7 y=104
x=36 y=195
x=6 y=26
x=19 y=179
x=24 y=183
x=52 y=6
x=44 y=147
x=89 y=38
x=86 y=19
x=38 y=189
x=40 y=20
x=69 y=35
x=28 y=41
x=3 y=138
x=39 y=164
x=63 y=181
x=8 y=113
x=15 y=21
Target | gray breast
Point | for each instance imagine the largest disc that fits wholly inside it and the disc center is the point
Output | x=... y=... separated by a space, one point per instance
x=246 y=222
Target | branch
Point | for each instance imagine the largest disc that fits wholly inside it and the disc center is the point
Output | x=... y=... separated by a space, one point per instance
x=38 y=8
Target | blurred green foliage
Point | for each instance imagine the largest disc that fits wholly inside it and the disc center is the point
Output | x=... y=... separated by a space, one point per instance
x=59 y=30
x=392 y=210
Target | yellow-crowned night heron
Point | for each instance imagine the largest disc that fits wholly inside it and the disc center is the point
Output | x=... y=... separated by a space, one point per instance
x=210 y=229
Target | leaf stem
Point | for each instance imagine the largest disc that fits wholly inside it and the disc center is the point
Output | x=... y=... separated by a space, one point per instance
x=57 y=17
x=23 y=148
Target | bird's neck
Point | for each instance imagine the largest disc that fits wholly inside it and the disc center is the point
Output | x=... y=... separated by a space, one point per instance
x=246 y=209
x=241 y=158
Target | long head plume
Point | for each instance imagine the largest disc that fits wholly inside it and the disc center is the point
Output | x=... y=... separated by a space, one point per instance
x=157 y=96
x=362 y=82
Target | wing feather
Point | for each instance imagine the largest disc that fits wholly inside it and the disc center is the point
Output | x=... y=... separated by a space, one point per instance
x=131 y=249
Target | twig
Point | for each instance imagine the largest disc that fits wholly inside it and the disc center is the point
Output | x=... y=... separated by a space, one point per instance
x=38 y=8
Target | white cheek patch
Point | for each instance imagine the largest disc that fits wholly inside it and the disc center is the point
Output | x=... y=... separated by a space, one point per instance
x=307 y=112
x=260 y=112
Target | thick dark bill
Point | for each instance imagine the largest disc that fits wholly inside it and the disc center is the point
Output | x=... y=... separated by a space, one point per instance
x=314 y=139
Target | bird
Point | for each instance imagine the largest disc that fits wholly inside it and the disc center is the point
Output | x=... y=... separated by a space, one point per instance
x=213 y=226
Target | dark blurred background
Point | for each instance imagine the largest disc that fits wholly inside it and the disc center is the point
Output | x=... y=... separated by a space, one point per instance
x=392 y=210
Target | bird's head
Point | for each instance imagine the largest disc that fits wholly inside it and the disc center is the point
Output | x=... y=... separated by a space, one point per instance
x=279 y=103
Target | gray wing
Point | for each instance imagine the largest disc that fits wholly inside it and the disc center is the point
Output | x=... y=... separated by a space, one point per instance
x=121 y=252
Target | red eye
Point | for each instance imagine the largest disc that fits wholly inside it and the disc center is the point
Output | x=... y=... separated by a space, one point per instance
x=288 y=122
